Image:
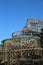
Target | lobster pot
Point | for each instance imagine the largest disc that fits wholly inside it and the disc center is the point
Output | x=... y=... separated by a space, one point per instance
x=13 y=49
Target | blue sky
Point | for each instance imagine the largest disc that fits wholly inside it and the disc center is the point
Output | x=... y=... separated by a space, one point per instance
x=13 y=15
